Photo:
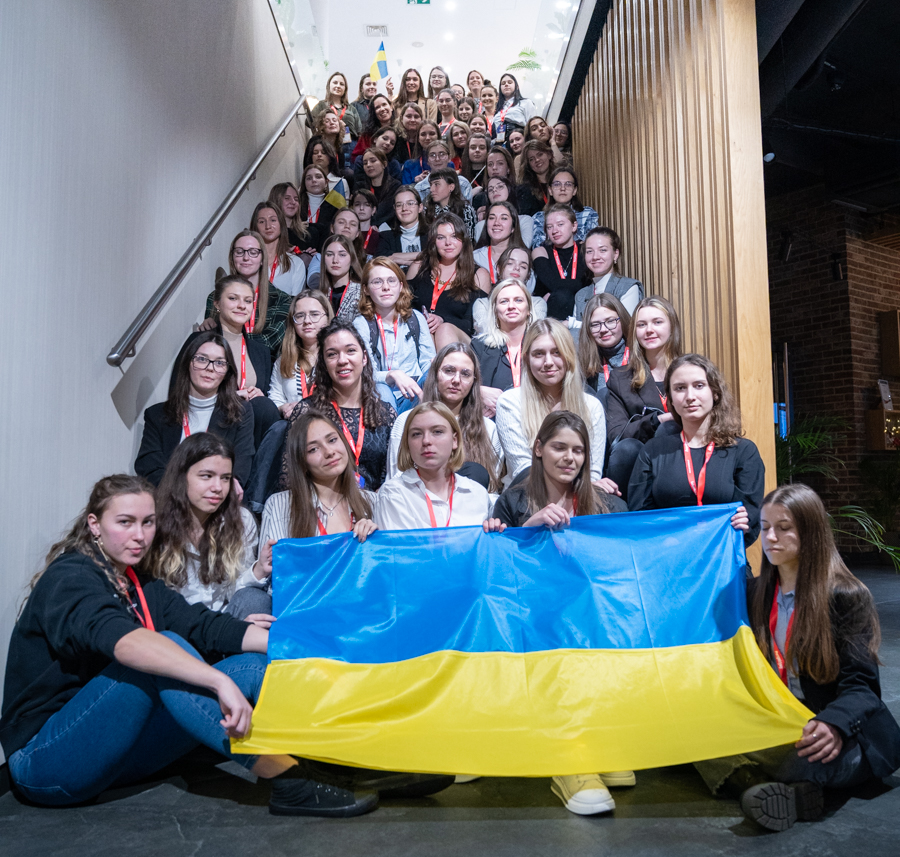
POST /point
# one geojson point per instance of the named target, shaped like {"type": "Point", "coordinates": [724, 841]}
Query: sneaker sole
{"type": "Point", "coordinates": [778, 806]}
{"type": "Point", "coordinates": [365, 803]}
{"type": "Point", "coordinates": [582, 807]}
{"type": "Point", "coordinates": [619, 780]}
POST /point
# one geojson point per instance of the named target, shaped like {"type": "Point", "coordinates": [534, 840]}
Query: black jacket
{"type": "Point", "coordinates": [68, 631]}
{"type": "Point", "coordinates": [494, 364]}
{"type": "Point", "coordinates": [852, 703]}
{"type": "Point", "coordinates": [623, 403]}
{"type": "Point", "coordinates": [161, 437]}
{"type": "Point", "coordinates": [257, 352]}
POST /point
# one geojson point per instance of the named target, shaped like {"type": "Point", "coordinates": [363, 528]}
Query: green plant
{"type": "Point", "coordinates": [809, 448]}
{"type": "Point", "coordinates": [867, 530]}
{"type": "Point", "coordinates": [528, 61]}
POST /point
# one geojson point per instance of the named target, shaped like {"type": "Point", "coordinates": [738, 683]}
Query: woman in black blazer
{"type": "Point", "coordinates": [202, 397]}
{"type": "Point", "coordinates": [636, 406]}
{"type": "Point", "coordinates": [818, 627]}
{"type": "Point", "coordinates": [233, 300]}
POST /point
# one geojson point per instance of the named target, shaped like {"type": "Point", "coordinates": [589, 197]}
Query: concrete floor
{"type": "Point", "coordinates": [200, 810]}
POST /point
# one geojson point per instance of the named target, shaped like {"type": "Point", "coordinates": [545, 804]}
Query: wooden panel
{"type": "Point", "coordinates": [668, 145]}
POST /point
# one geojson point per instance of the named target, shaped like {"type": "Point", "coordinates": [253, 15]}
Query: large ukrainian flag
{"type": "Point", "coordinates": [616, 644]}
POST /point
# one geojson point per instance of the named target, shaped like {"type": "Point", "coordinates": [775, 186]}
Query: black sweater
{"type": "Point", "coordinates": [68, 631]}
{"type": "Point", "coordinates": [512, 505]}
{"type": "Point", "coordinates": [560, 292]}
{"type": "Point", "coordinates": [735, 474]}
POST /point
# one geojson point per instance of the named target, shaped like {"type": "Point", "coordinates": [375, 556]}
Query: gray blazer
{"type": "Point", "coordinates": [616, 285]}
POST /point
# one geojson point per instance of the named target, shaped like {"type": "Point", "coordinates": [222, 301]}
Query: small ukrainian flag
{"type": "Point", "coordinates": [379, 67]}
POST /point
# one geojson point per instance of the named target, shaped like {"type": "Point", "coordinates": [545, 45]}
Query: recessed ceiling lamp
{"type": "Point", "coordinates": [418, 44]}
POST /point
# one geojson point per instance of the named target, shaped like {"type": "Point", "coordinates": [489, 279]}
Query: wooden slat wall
{"type": "Point", "coordinates": [668, 147]}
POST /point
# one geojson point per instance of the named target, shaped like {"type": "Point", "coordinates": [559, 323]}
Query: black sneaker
{"type": "Point", "coordinates": [776, 806]}
{"type": "Point", "coordinates": [294, 796]}
{"type": "Point", "coordinates": [389, 784]}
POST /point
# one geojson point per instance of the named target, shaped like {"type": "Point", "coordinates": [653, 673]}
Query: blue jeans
{"type": "Point", "coordinates": [124, 725]}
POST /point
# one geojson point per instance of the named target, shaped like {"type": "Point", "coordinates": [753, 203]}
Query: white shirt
{"type": "Point", "coordinates": [402, 504]}
{"type": "Point", "coordinates": [481, 260]}
{"type": "Point", "coordinates": [397, 434]}
{"type": "Point", "coordinates": [283, 390]}
{"type": "Point", "coordinates": [217, 595]}
{"type": "Point", "coordinates": [292, 281]}
{"type": "Point", "coordinates": [315, 202]}
{"type": "Point", "coordinates": [517, 448]}
{"type": "Point", "coordinates": [276, 516]}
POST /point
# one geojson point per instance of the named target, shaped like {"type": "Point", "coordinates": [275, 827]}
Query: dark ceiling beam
{"type": "Point", "coordinates": [806, 37]}
{"type": "Point", "coordinates": [772, 19]}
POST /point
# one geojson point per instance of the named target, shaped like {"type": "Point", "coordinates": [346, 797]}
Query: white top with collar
{"type": "Point", "coordinates": [402, 504]}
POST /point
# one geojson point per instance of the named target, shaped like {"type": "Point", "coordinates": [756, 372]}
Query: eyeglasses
{"type": "Point", "coordinates": [378, 283]}
{"type": "Point", "coordinates": [252, 252]}
{"type": "Point", "coordinates": [201, 362]}
{"type": "Point", "coordinates": [562, 185]}
{"type": "Point", "coordinates": [408, 204]}
{"type": "Point", "coordinates": [609, 324]}
{"type": "Point", "coordinates": [453, 371]}
{"type": "Point", "coordinates": [314, 316]}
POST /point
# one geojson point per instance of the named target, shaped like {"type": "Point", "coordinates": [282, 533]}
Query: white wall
{"type": "Point", "coordinates": [124, 126]}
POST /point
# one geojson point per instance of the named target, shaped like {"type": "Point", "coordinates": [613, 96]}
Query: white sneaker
{"type": "Point", "coordinates": [583, 794]}
{"type": "Point", "coordinates": [466, 778]}
{"type": "Point", "coordinates": [617, 779]}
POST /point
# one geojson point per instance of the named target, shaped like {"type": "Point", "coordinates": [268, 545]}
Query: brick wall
{"type": "Point", "coordinates": [831, 327]}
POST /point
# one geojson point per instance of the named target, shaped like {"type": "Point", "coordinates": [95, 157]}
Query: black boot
{"type": "Point", "coordinates": [776, 806]}
{"type": "Point", "coordinates": [389, 784]}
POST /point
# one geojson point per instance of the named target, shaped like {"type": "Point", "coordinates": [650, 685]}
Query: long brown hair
{"type": "Point", "coordinates": [725, 417]}
{"type": "Point", "coordinates": [586, 501]}
{"type": "Point", "coordinates": [282, 247]}
{"type": "Point", "coordinates": [296, 223]}
{"type": "Point", "coordinates": [262, 300]}
{"type": "Point", "coordinates": [375, 412]}
{"type": "Point", "coordinates": [832, 607]}
{"type": "Point", "coordinates": [589, 357]}
{"type": "Point", "coordinates": [403, 98]}
{"type": "Point", "coordinates": [292, 351]}
{"type": "Point", "coordinates": [403, 306]}
{"type": "Point", "coordinates": [637, 363]}
{"type": "Point", "coordinates": [304, 521]}
{"type": "Point", "coordinates": [456, 204]}
{"type": "Point", "coordinates": [221, 547]}
{"type": "Point", "coordinates": [476, 442]}
{"type": "Point", "coordinates": [227, 399]}
{"type": "Point", "coordinates": [529, 176]}
{"type": "Point", "coordinates": [326, 283]}
{"type": "Point", "coordinates": [80, 539]}
{"type": "Point", "coordinates": [464, 287]}
{"type": "Point", "coordinates": [515, 237]}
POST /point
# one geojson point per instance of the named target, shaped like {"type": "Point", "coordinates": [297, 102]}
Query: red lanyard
{"type": "Point", "coordinates": [186, 426]}
{"type": "Point", "coordinates": [318, 212]}
{"type": "Point", "coordinates": [431, 507]}
{"type": "Point", "coordinates": [503, 113]}
{"type": "Point", "coordinates": [304, 389]}
{"type": "Point", "coordinates": [625, 356]}
{"type": "Point", "coordinates": [491, 268]}
{"type": "Point", "coordinates": [358, 444]}
{"type": "Point", "coordinates": [664, 400]}
{"type": "Point", "coordinates": [444, 126]}
{"type": "Point", "coordinates": [564, 273]}
{"type": "Point", "coordinates": [243, 363]}
{"type": "Point", "coordinates": [339, 115]}
{"type": "Point", "coordinates": [515, 363]}
{"type": "Point", "coordinates": [773, 622]}
{"type": "Point", "coordinates": [698, 485]}
{"type": "Point", "coordinates": [390, 362]}
{"type": "Point", "coordinates": [272, 273]}
{"type": "Point", "coordinates": [368, 237]}
{"type": "Point", "coordinates": [146, 619]}
{"type": "Point", "coordinates": [438, 289]}
{"type": "Point", "coordinates": [252, 323]}
{"type": "Point", "coordinates": [324, 532]}
{"type": "Point", "coordinates": [343, 296]}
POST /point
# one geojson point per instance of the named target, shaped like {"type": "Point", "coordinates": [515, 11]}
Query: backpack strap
{"type": "Point", "coordinates": [414, 331]}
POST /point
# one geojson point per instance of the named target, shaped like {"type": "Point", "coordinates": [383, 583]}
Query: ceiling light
{"type": "Point", "coordinates": [450, 7]}
{"type": "Point", "coordinates": [418, 44]}
{"type": "Point", "coordinates": [448, 37]}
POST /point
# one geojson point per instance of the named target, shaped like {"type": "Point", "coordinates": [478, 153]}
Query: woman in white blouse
{"type": "Point", "coordinates": [323, 496]}
{"type": "Point", "coordinates": [293, 375]}
{"type": "Point", "coordinates": [429, 493]}
{"type": "Point", "coordinates": [551, 381]}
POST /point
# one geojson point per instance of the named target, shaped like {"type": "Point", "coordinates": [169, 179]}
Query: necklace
{"type": "Point", "coordinates": [326, 510]}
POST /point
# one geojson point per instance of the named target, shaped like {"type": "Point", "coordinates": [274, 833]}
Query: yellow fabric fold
{"type": "Point", "coordinates": [538, 714]}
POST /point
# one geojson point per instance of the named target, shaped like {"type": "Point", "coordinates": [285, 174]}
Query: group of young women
{"type": "Point", "coordinates": [363, 366]}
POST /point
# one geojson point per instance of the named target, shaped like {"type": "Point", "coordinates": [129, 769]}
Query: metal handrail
{"type": "Point", "coordinates": [125, 347]}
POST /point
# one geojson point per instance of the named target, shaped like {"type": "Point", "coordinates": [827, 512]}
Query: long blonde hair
{"type": "Point", "coordinates": [535, 405]}
{"type": "Point", "coordinates": [292, 351]}
{"type": "Point", "coordinates": [638, 362]}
